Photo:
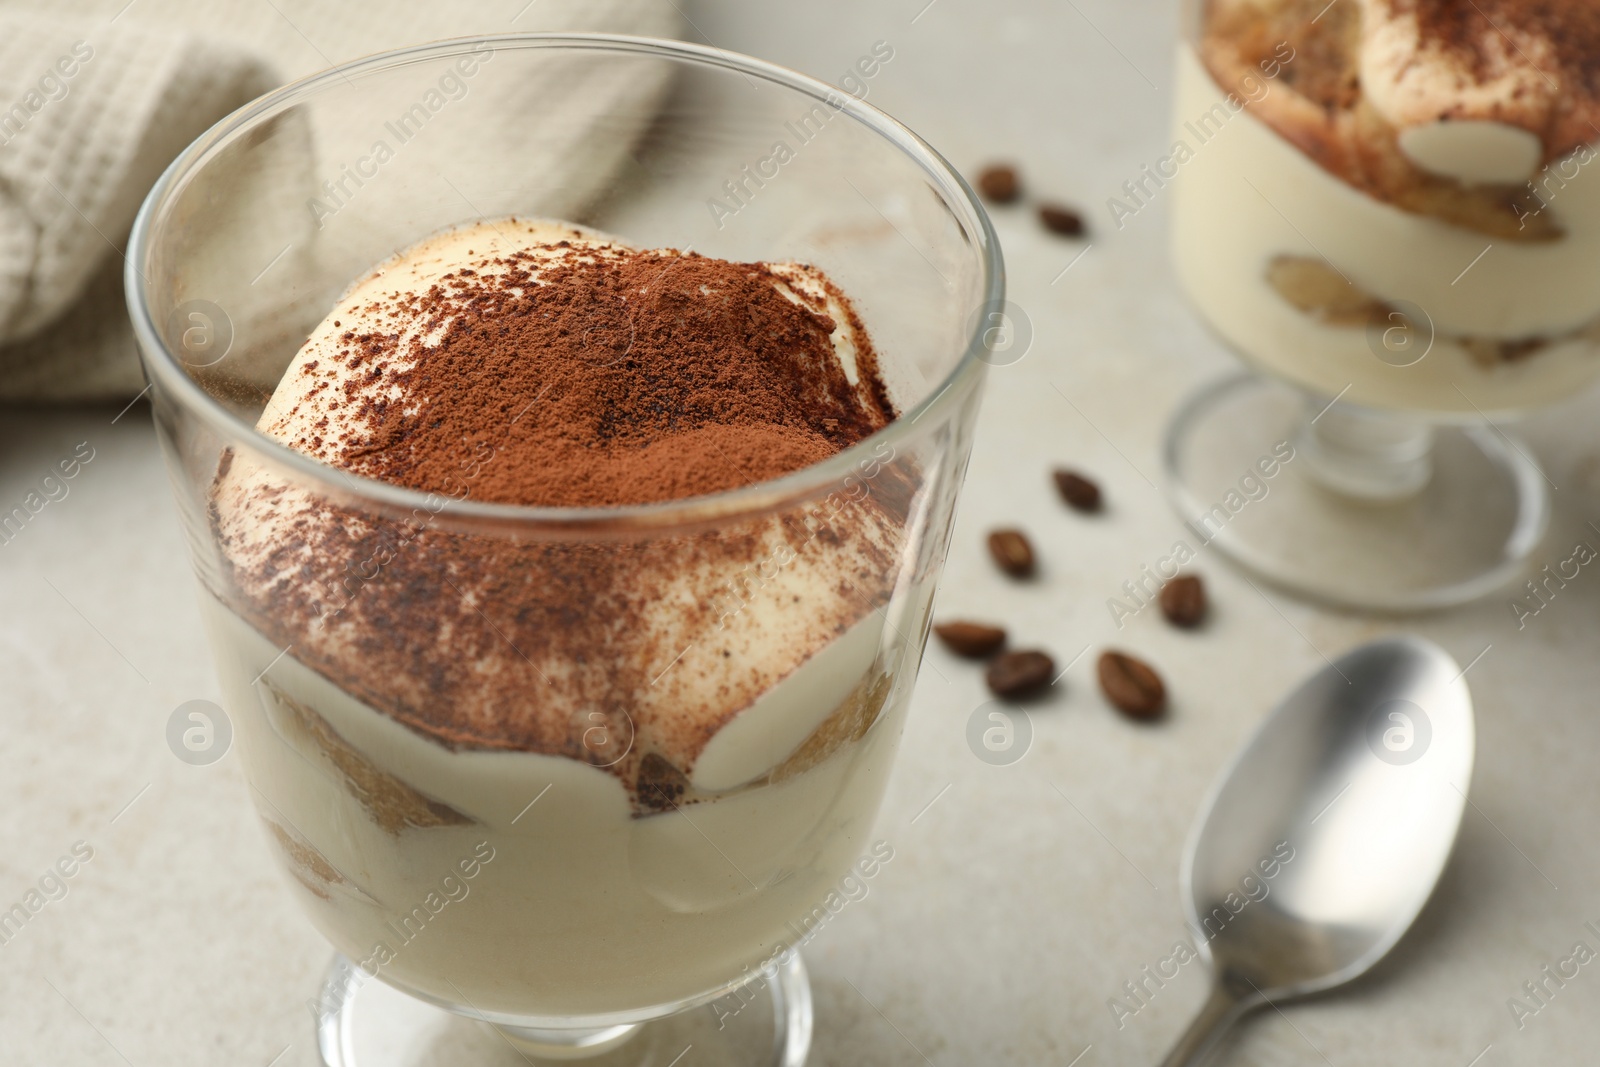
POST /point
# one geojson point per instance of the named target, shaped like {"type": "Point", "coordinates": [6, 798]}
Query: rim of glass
{"type": "Point", "coordinates": [165, 369]}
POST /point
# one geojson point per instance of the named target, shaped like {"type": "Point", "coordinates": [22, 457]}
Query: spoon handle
{"type": "Point", "coordinates": [1220, 1011]}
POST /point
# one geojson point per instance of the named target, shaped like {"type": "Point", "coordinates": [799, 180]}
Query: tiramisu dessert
{"type": "Point", "coordinates": [566, 771]}
{"type": "Point", "coordinates": [1395, 196]}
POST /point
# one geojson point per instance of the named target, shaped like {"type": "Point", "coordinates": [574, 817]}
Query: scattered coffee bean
{"type": "Point", "coordinates": [1183, 601]}
{"type": "Point", "coordinates": [1019, 674]}
{"type": "Point", "coordinates": [1012, 553]}
{"type": "Point", "coordinates": [1062, 220]}
{"type": "Point", "coordinates": [1079, 492]}
{"type": "Point", "coordinates": [999, 184]}
{"type": "Point", "coordinates": [1132, 686]}
{"type": "Point", "coordinates": [974, 640]}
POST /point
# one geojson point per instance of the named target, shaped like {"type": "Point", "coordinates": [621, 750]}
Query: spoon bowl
{"type": "Point", "coordinates": [1321, 842]}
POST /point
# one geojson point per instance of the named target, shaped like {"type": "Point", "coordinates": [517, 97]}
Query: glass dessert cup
{"type": "Point", "coordinates": [1385, 344]}
{"type": "Point", "coordinates": [642, 885]}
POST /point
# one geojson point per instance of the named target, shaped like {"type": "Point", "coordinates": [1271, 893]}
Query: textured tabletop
{"type": "Point", "coordinates": [1020, 898]}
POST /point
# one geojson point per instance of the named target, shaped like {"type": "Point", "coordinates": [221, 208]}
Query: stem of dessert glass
{"type": "Point", "coordinates": [1370, 455]}
{"type": "Point", "coordinates": [566, 1044]}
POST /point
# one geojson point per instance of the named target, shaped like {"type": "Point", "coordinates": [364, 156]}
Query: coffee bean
{"type": "Point", "coordinates": [974, 640]}
{"type": "Point", "coordinates": [1019, 674]}
{"type": "Point", "coordinates": [1132, 686]}
{"type": "Point", "coordinates": [1183, 601]}
{"type": "Point", "coordinates": [1012, 553]}
{"type": "Point", "coordinates": [999, 183]}
{"type": "Point", "coordinates": [1078, 491]}
{"type": "Point", "coordinates": [1062, 220]}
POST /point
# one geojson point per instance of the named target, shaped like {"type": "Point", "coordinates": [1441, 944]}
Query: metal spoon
{"type": "Point", "coordinates": [1319, 845]}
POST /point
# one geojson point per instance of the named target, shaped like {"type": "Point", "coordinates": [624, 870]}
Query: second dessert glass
{"type": "Point", "coordinates": [519, 889]}
{"type": "Point", "coordinates": [1404, 323]}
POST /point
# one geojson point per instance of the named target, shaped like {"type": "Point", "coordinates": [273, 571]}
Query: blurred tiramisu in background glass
{"type": "Point", "coordinates": [1395, 213]}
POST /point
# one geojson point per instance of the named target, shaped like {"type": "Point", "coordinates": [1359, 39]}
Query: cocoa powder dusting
{"type": "Point", "coordinates": [1571, 28]}
{"type": "Point", "coordinates": [623, 378]}
{"type": "Point", "coordinates": [590, 375]}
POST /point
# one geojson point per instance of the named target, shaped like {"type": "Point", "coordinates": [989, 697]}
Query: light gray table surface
{"type": "Point", "coordinates": [1020, 898]}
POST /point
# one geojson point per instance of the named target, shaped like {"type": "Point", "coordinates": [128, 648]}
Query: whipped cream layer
{"type": "Point", "coordinates": [581, 909]}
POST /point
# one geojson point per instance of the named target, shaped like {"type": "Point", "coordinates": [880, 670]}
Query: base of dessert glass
{"type": "Point", "coordinates": [1369, 510]}
{"type": "Point", "coordinates": [363, 1022]}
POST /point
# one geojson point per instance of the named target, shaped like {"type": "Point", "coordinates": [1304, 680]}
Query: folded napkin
{"type": "Point", "coordinates": [96, 98]}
